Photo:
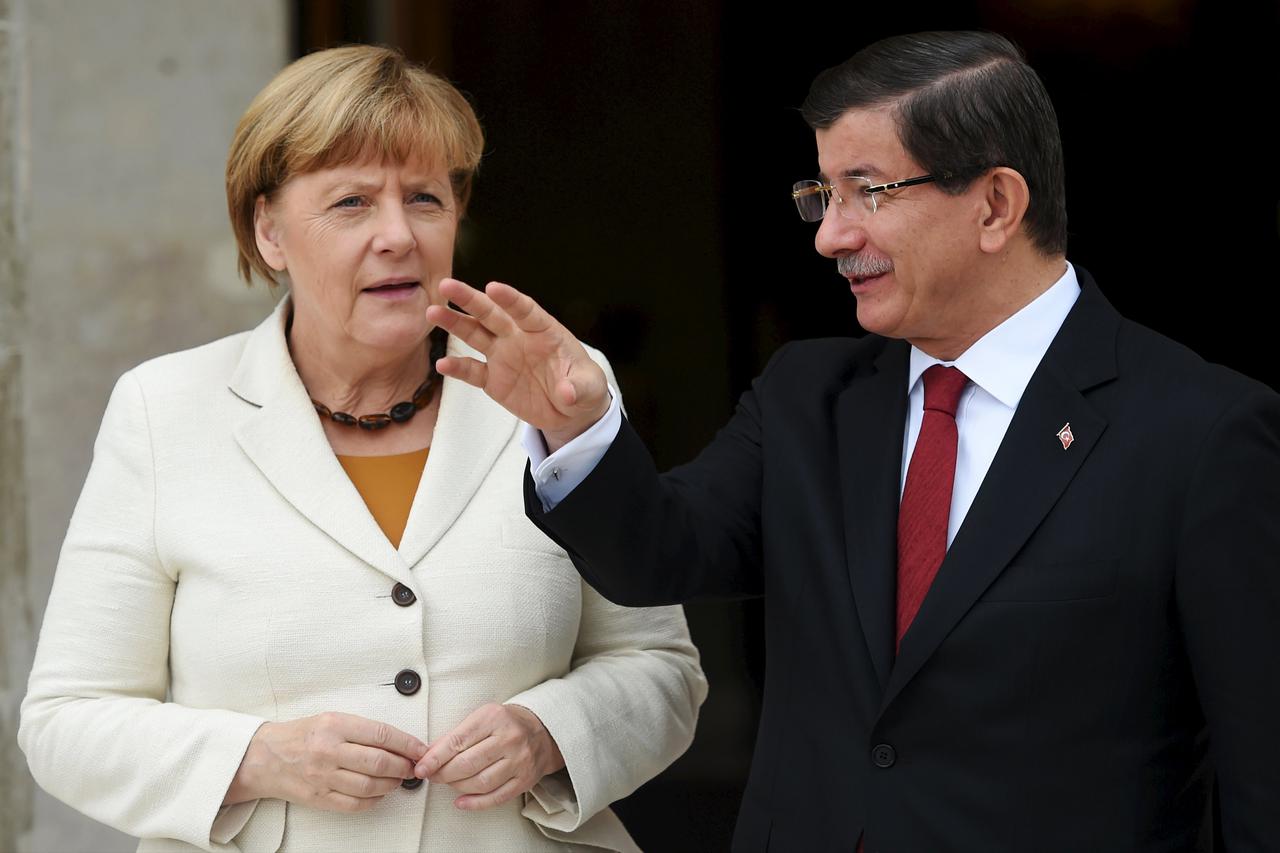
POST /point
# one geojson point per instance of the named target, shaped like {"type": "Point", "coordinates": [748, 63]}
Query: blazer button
{"type": "Point", "coordinates": [884, 755]}
{"type": "Point", "coordinates": [402, 595]}
{"type": "Point", "coordinates": [407, 682]}
{"type": "Point", "coordinates": [411, 784]}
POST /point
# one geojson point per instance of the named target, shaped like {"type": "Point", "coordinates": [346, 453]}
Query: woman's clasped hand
{"type": "Point", "coordinates": [495, 754]}
{"type": "Point", "coordinates": [333, 761]}
{"type": "Point", "coordinates": [346, 763]}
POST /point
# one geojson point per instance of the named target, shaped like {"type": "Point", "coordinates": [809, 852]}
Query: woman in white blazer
{"type": "Point", "coordinates": [272, 628]}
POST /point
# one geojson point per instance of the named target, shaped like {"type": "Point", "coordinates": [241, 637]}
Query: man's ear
{"type": "Point", "coordinates": [1005, 201]}
{"type": "Point", "coordinates": [266, 232]}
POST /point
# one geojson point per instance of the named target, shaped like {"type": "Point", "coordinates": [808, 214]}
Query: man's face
{"type": "Point", "coordinates": [911, 264]}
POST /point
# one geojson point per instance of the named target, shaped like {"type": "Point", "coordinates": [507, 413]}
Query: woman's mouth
{"type": "Point", "coordinates": [393, 290]}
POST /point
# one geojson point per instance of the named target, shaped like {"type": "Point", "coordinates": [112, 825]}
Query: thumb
{"type": "Point", "coordinates": [567, 394]}
{"type": "Point", "coordinates": [583, 390]}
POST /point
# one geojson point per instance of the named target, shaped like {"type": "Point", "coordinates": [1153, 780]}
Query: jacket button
{"type": "Point", "coordinates": [402, 595]}
{"type": "Point", "coordinates": [884, 755]}
{"type": "Point", "coordinates": [411, 784]}
{"type": "Point", "coordinates": [407, 682]}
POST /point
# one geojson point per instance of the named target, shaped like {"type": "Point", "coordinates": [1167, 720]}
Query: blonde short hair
{"type": "Point", "coordinates": [340, 106]}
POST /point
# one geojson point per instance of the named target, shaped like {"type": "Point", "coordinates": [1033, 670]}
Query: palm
{"type": "Point", "coordinates": [533, 366]}
{"type": "Point", "coordinates": [523, 372]}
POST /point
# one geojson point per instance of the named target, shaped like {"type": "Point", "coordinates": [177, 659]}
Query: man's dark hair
{"type": "Point", "coordinates": [964, 102]}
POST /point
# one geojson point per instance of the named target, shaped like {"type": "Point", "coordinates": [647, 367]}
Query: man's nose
{"type": "Point", "coordinates": [394, 234]}
{"type": "Point", "coordinates": [838, 236]}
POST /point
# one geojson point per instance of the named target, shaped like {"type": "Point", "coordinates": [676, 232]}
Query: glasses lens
{"type": "Point", "coordinates": [811, 199]}
{"type": "Point", "coordinates": [857, 202]}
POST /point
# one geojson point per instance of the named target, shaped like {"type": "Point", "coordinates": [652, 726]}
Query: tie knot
{"type": "Point", "coordinates": [942, 389]}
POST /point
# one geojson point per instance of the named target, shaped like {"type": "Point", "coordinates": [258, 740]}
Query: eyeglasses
{"type": "Point", "coordinates": [855, 196]}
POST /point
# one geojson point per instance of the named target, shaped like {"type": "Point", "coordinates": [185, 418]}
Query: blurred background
{"type": "Point", "coordinates": [636, 179]}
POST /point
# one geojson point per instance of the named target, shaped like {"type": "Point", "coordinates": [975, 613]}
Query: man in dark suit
{"type": "Point", "coordinates": [1019, 554]}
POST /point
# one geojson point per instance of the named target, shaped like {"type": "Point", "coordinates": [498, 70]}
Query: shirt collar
{"type": "Point", "coordinates": [1001, 361]}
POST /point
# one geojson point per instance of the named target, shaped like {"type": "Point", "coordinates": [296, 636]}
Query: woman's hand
{"type": "Point", "coordinates": [338, 762]}
{"type": "Point", "coordinates": [497, 752]}
{"type": "Point", "coordinates": [534, 367]}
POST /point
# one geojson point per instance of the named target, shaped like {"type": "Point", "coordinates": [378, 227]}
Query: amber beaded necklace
{"type": "Point", "coordinates": [403, 411]}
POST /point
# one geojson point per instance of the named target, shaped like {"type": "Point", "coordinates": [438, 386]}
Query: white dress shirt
{"type": "Point", "coordinates": [557, 475]}
{"type": "Point", "coordinates": [999, 366]}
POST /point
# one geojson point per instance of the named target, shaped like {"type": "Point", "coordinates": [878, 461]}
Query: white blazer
{"type": "Point", "coordinates": [221, 570]}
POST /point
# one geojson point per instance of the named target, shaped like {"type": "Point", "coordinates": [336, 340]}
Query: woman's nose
{"type": "Point", "coordinates": [394, 234]}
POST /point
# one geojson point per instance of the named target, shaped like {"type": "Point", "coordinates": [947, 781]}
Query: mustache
{"type": "Point", "coordinates": [862, 266]}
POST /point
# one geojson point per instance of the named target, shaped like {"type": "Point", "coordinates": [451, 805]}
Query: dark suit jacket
{"type": "Point", "coordinates": [1099, 647]}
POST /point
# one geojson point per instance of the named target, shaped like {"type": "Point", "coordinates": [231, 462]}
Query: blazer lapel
{"type": "Point", "coordinates": [471, 432]}
{"type": "Point", "coordinates": [284, 439]}
{"type": "Point", "coordinates": [869, 418]}
{"type": "Point", "coordinates": [1028, 475]}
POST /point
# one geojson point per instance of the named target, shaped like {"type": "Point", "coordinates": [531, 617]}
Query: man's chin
{"type": "Point", "coordinates": [874, 319]}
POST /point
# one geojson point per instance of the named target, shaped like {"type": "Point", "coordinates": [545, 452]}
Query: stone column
{"type": "Point", "coordinates": [15, 606]}
{"type": "Point", "coordinates": [126, 254]}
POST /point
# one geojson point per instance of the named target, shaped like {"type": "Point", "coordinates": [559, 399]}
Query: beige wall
{"type": "Point", "coordinates": [130, 108]}
{"type": "Point", "coordinates": [15, 608]}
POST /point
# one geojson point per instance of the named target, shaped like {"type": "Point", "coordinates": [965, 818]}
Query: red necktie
{"type": "Point", "coordinates": [926, 498]}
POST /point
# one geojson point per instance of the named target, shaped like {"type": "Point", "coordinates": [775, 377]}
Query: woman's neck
{"type": "Point", "coordinates": [348, 376]}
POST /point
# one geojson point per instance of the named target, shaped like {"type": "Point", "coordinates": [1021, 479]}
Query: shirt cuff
{"type": "Point", "coordinates": [555, 476]}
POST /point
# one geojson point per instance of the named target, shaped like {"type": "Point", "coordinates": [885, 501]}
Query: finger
{"type": "Point", "coordinates": [478, 802]}
{"type": "Point", "coordinates": [361, 786]}
{"type": "Point", "coordinates": [478, 305]}
{"type": "Point", "coordinates": [372, 761]}
{"type": "Point", "coordinates": [469, 762]}
{"type": "Point", "coordinates": [520, 307]}
{"type": "Point", "coordinates": [457, 323]}
{"type": "Point", "coordinates": [383, 736]}
{"type": "Point", "coordinates": [489, 779]}
{"type": "Point", "coordinates": [336, 802]}
{"type": "Point", "coordinates": [467, 734]}
{"type": "Point", "coordinates": [456, 291]}
{"type": "Point", "coordinates": [469, 370]}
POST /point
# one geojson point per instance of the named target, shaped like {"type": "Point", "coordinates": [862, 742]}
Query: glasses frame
{"type": "Point", "coordinates": [829, 190]}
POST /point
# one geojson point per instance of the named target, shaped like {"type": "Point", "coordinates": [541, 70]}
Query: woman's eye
{"type": "Point", "coordinates": [350, 201]}
{"type": "Point", "coordinates": [425, 198]}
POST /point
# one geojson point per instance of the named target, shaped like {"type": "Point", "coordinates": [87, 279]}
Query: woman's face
{"type": "Point", "coordinates": [365, 246]}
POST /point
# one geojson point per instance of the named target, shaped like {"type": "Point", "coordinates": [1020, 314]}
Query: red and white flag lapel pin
{"type": "Point", "coordinates": [1065, 436]}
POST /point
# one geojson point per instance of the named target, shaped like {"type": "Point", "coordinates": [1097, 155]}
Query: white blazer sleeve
{"type": "Point", "coordinates": [626, 709]}
{"type": "Point", "coordinates": [96, 728]}
{"type": "Point", "coordinates": [621, 715]}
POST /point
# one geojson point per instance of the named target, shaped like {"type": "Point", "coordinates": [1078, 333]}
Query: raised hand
{"type": "Point", "coordinates": [534, 367]}
{"type": "Point", "coordinates": [497, 752]}
{"type": "Point", "coordinates": [338, 762]}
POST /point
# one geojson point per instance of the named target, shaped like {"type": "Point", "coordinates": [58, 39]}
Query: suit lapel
{"type": "Point", "coordinates": [1028, 475]}
{"type": "Point", "coordinates": [284, 439]}
{"type": "Point", "coordinates": [471, 432]}
{"type": "Point", "coordinates": [869, 418]}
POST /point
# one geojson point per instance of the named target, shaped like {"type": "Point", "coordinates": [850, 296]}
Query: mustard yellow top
{"type": "Point", "coordinates": [387, 484]}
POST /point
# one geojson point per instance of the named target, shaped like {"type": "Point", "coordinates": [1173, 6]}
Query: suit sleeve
{"type": "Point", "coordinates": [1228, 595]}
{"type": "Point", "coordinates": [96, 729]}
{"type": "Point", "coordinates": [643, 539]}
